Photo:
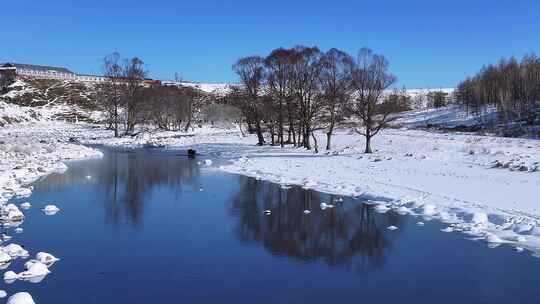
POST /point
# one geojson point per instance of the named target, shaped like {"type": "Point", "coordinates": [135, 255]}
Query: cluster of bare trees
{"type": "Point", "coordinates": [291, 93]}
{"type": "Point", "coordinates": [512, 87]}
{"type": "Point", "coordinates": [129, 102]}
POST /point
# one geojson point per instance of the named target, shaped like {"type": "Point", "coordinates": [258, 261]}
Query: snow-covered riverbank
{"type": "Point", "coordinates": [29, 151]}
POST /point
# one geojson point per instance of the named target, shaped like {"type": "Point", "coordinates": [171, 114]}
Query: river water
{"type": "Point", "coordinates": [153, 226]}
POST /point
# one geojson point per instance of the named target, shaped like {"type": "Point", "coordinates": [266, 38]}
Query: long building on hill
{"type": "Point", "coordinates": [47, 72]}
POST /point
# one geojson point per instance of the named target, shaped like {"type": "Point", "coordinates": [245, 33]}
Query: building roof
{"type": "Point", "coordinates": [36, 67]}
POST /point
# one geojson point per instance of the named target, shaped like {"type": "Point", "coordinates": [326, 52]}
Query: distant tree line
{"type": "Point", "coordinates": [128, 102]}
{"type": "Point", "coordinates": [510, 86]}
{"type": "Point", "coordinates": [291, 93]}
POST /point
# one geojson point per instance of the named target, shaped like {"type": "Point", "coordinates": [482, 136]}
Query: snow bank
{"type": "Point", "coordinates": [29, 151]}
{"type": "Point", "coordinates": [11, 114]}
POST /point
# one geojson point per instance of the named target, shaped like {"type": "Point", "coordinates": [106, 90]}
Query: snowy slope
{"type": "Point", "coordinates": [449, 116]}
{"type": "Point", "coordinates": [10, 114]}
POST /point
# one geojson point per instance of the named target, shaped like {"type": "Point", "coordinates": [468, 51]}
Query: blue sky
{"type": "Point", "coordinates": [428, 43]}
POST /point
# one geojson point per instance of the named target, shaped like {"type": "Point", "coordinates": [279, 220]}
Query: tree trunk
{"type": "Point", "coordinates": [259, 133]}
{"type": "Point", "coordinates": [280, 138]}
{"type": "Point", "coordinates": [188, 124]}
{"type": "Point", "coordinates": [368, 142]}
{"type": "Point", "coordinates": [315, 144]}
{"type": "Point", "coordinates": [328, 140]}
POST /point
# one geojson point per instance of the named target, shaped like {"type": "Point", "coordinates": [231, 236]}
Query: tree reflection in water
{"type": "Point", "coordinates": [350, 234]}
{"type": "Point", "coordinates": [125, 179]}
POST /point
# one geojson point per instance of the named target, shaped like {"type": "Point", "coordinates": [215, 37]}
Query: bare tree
{"type": "Point", "coordinates": [307, 67]}
{"type": "Point", "coordinates": [189, 96]}
{"type": "Point", "coordinates": [278, 65]}
{"type": "Point", "coordinates": [336, 83]}
{"type": "Point", "coordinates": [134, 74]}
{"type": "Point", "coordinates": [251, 72]}
{"type": "Point", "coordinates": [113, 70]}
{"type": "Point", "coordinates": [370, 78]}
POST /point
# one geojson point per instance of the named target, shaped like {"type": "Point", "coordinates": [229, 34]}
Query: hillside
{"type": "Point", "coordinates": [54, 99]}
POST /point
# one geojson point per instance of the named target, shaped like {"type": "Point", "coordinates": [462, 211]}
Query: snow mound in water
{"type": "Point", "coordinates": [3, 294]}
{"type": "Point", "coordinates": [21, 298]}
{"type": "Point", "coordinates": [208, 162]}
{"type": "Point", "coordinates": [381, 208]}
{"type": "Point", "coordinates": [391, 228]}
{"type": "Point", "coordinates": [26, 205]}
{"type": "Point", "coordinates": [46, 258]}
{"type": "Point", "coordinates": [13, 213]}
{"type": "Point", "coordinates": [15, 251]}
{"type": "Point", "coordinates": [4, 258]}
{"type": "Point", "coordinates": [36, 269]}
{"type": "Point", "coordinates": [10, 276]}
{"type": "Point", "coordinates": [50, 209]}
{"type": "Point", "coordinates": [325, 205]}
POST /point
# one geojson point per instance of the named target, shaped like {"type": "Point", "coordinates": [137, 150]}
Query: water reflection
{"type": "Point", "coordinates": [350, 234]}
{"type": "Point", "coordinates": [125, 180]}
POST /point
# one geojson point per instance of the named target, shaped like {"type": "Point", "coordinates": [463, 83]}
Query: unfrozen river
{"type": "Point", "coordinates": [149, 226]}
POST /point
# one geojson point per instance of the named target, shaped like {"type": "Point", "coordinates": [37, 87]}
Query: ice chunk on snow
{"type": "Point", "coordinates": [46, 258]}
{"type": "Point", "coordinates": [535, 231]}
{"type": "Point", "coordinates": [208, 162]}
{"type": "Point", "coordinates": [392, 228]}
{"type": "Point", "coordinates": [428, 209]}
{"type": "Point", "coordinates": [50, 209]}
{"type": "Point", "coordinates": [479, 218]}
{"type": "Point", "coordinates": [492, 238]}
{"type": "Point", "coordinates": [21, 298]}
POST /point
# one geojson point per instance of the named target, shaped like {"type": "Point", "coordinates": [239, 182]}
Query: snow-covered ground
{"type": "Point", "coordinates": [449, 117]}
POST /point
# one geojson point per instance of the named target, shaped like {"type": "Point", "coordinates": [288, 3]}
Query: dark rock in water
{"type": "Point", "coordinates": [191, 152]}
